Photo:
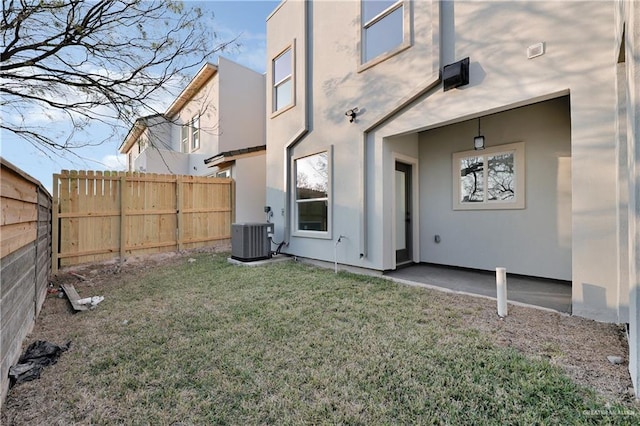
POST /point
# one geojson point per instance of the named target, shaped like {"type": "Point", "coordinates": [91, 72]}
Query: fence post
{"type": "Point", "coordinates": [179, 208]}
{"type": "Point", "coordinates": [123, 205]}
{"type": "Point", "coordinates": [232, 200]}
{"type": "Point", "coordinates": [36, 268]}
{"type": "Point", "coordinates": [55, 226]}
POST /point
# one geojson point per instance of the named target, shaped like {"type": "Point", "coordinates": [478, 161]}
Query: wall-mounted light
{"type": "Point", "coordinates": [478, 141]}
{"type": "Point", "coordinates": [352, 113]}
{"type": "Point", "coordinates": [455, 75]}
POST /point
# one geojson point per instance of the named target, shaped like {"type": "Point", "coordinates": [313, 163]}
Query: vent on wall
{"type": "Point", "coordinates": [251, 241]}
{"type": "Point", "coordinates": [535, 50]}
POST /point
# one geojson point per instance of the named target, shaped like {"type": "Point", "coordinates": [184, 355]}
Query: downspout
{"type": "Point", "coordinates": [429, 84]}
{"type": "Point", "coordinates": [300, 134]}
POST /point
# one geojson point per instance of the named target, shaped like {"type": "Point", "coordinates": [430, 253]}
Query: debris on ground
{"type": "Point", "coordinates": [613, 359]}
{"type": "Point", "coordinates": [78, 303]}
{"type": "Point", "coordinates": [191, 260]}
{"type": "Point", "coordinates": [38, 355]}
{"type": "Point", "coordinates": [91, 301]}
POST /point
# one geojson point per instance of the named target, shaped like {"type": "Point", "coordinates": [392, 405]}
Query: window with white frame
{"type": "Point", "coordinates": [283, 80]}
{"type": "Point", "coordinates": [142, 144]}
{"type": "Point", "coordinates": [493, 178]}
{"type": "Point", "coordinates": [226, 173]}
{"type": "Point", "coordinates": [385, 28]}
{"type": "Point", "coordinates": [195, 133]}
{"type": "Point", "coordinates": [184, 138]}
{"type": "Point", "coordinates": [312, 192]}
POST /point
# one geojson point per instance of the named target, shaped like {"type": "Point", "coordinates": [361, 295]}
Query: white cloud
{"type": "Point", "coordinates": [117, 162]}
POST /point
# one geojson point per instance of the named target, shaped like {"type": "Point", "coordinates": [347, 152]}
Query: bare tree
{"type": "Point", "coordinates": [79, 61]}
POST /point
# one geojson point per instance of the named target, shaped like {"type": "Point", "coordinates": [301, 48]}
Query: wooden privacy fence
{"type": "Point", "coordinates": [25, 261]}
{"type": "Point", "coordinates": [100, 216]}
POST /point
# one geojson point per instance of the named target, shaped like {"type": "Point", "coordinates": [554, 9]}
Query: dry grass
{"type": "Point", "coordinates": [205, 342]}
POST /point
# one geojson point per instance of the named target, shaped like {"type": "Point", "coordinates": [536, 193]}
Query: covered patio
{"type": "Point", "coordinates": [540, 292]}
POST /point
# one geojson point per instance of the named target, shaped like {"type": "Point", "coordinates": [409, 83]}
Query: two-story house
{"type": "Point", "coordinates": [468, 134]}
{"type": "Point", "coordinates": [214, 127]}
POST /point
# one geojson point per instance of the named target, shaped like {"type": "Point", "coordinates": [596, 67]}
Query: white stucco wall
{"type": "Point", "coordinates": [162, 161]}
{"type": "Point", "coordinates": [157, 133]}
{"type": "Point", "coordinates": [204, 103]}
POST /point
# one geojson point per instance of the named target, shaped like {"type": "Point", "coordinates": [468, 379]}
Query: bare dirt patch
{"type": "Point", "coordinates": [578, 345]}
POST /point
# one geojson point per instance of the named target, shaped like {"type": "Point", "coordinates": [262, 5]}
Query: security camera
{"type": "Point", "coordinates": [352, 113]}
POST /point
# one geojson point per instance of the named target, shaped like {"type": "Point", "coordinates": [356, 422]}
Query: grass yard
{"type": "Point", "coordinates": [206, 342]}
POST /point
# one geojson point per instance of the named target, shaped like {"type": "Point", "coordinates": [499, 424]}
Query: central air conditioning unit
{"type": "Point", "coordinates": [251, 241]}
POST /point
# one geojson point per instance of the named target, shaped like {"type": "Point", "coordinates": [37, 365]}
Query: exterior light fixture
{"type": "Point", "coordinates": [455, 75]}
{"type": "Point", "coordinates": [352, 113]}
{"type": "Point", "coordinates": [478, 141]}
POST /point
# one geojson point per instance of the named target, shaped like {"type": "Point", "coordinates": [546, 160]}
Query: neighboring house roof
{"type": "Point", "coordinates": [207, 71]}
{"type": "Point", "coordinates": [136, 130]}
{"type": "Point", "coordinates": [225, 158]}
{"type": "Point", "coordinates": [201, 78]}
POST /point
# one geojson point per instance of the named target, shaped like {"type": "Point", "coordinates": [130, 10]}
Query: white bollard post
{"type": "Point", "coordinates": [501, 286]}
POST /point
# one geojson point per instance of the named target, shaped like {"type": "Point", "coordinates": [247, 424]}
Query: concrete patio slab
{"type": "Point", "coordinates": [545, 293]}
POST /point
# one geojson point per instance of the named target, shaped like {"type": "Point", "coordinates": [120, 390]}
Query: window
{"type": "Point", "coordinates": [385, 28]}
{"type": "Point", "coordinates": [130, 158]}
{"type": "Point", "coordinates": [489, 179]}
{"type": "Point", "coordinates": [312, 192]}
{"type": "Point", "coordinates": [282, 80]}
{"type": "Point", "coordinates": [184, 138]}
{"type": "Point", "coordinates": [224, 173]}
{"type": "Point", "coordinates": [195, 133]}
{"type": "Point", "coordinates": [143, 143]}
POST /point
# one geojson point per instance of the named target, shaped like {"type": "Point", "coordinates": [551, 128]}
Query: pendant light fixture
{"type": "Point", "coordinates": [478, 141]}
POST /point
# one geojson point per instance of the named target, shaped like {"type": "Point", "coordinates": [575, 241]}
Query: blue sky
{"type": "Point", "coordinates": [240, 18]}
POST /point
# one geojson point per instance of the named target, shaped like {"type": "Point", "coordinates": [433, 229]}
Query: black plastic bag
{"type": "Point", "coordinates": [38, 355]}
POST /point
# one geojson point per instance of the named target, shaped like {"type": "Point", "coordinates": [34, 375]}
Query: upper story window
{"type": "Point", "coordinates": [385, 28]}
{"type": "Point", "coordinates": [184, 138]}
{"type": "Point", "coordinates": [283, 80]}
{"type": "Point", "coordinates": [190, 135]}
{"type": "Point", "coordinates": [142, 144]}
{"type": "Point", "coordinates": [195, 133]}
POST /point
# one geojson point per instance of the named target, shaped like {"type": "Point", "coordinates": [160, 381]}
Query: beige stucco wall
{"type": "Point", "coordinates": [286, 28]}
{"type": "Point", "coordinates": [242, 106]}
{"type": "Point", "coordinates": [628, 17]}
{"type": "Point", "coordinates": [249, 175]}
{"type": "Point", "coordinates": [495, 35]}
{"type": "Point", "coordinates": [502, 78]}
{"type": "Point", "coordinates": [327, 50]}
{"type": "Point", "coordinates": [533, 241]}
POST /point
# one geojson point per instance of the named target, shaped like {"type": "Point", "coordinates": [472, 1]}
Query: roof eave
{"type": "Point", "coordinates": [201, 78]}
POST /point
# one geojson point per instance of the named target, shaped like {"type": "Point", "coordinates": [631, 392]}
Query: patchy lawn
{"type": "Point", "coordinates": [205, 342]}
